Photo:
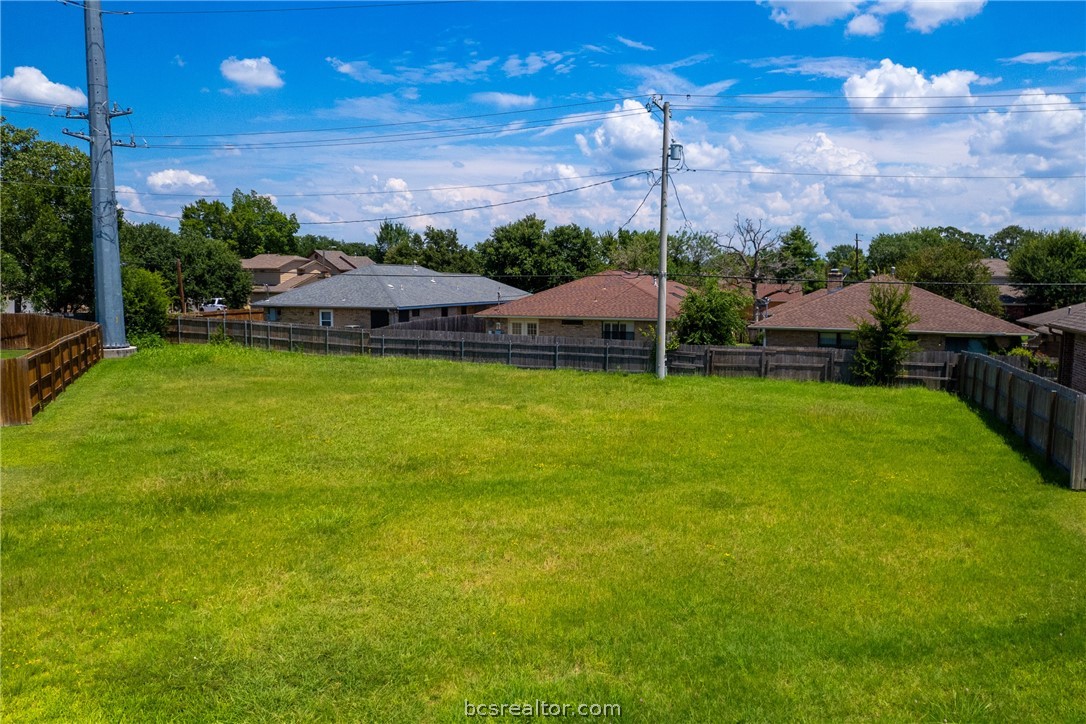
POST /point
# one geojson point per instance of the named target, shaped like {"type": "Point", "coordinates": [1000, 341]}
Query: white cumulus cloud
{"type": "Point", "coordinates": [251, 75]}
{"type": "Point", "coordinates": [27, 83]}
{"type": "Point", "coordinates": [895, 86]}
{"type": "Point", "coordinates": [865, 26]}
{"type": "Point", "coordinates": [806, 14]}
{"type": "Point", "coordinates": [173, 179]}
{"type": "Point", "coordinates": [926, 15]}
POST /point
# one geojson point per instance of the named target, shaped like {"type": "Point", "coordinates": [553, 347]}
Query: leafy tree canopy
{"type": "Point", "coordinates": [1048, 259]}
{"type": "Point", "coordinates": [954, 271]}
{"type": "Point", "coordinates": [890, 250]}
{"type": "Point", "coordinates": [527, 256]}
{"type": "Point", "coordinates": [251, 225]}
{"type": "Point", "coordinates": [45, 221]}
{"type": "Point", "coordinates": [711, 315]}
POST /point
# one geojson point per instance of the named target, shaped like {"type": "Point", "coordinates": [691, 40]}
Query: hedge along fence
{"type": "Point", "coordinates": [1050, 417]}
{"type": "Point", "coordinates": [63, 350]}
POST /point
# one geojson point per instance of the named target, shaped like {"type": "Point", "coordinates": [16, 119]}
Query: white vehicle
{"type": "Point", "coordinates": [215, 305]}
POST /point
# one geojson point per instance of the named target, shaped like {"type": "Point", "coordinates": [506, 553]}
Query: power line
{"type": "Point", "coordinates": [652, 186]}
{"type": "Point", "coordinates": [383, 192]}
{"type": "Point", "coordinates": [431, 121]}
{"type": "Point", "coordinates": [885, 176]}
{"type": "Point", "coordinates": [820, 96]}
{"type": "Point", "coordinates": [406, 137]}
{"type": "Point", "coordinates": [479, 207]}
{"type": "Point", "coordinates": [313, 8]}
{"type": "Point", "coordinates": [863, 111]}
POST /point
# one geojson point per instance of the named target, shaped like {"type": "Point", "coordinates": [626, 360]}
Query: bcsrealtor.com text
{"type": "Point", "coordinates": [539, 708]}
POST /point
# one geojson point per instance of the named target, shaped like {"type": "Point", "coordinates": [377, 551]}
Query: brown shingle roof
{"type": "Point", "coordinates": [836, 311]}
{"type": "Point", "coordinates": [1036, 321]}
{"type": "Point", "coordinates": [341, 261]}
{"type": "Point", "coordinates": [607, 295]}
{"type": "Point", "coordinates": [1073, 322]}
{"type": "Point", "coordinates": [278, 262]}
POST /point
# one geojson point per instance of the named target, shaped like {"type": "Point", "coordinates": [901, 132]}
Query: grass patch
{"type": "Point", "coordinates": [12, 353]}
{"type": "Point", "coordinates": [213, 533]}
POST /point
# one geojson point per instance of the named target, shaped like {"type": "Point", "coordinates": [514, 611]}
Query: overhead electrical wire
{"type": "Point", "coordinates": [314, 8]}
{"type": "Point", "coordinates": [443, 212]}
{"type": "Point", "coordinates": [381, 192]}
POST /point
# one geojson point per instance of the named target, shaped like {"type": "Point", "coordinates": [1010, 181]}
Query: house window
{"type": "Point", "coordinates": [524, 326]}
{"type": "Point", "coordinates": [414, 312]}
{"type": "Point", "coordinates": [618, 330]}
{"type": "Point", "coordinates": [444, 311]}
{"type": "Point", "coordinates": [839, 340]}
{"type": "Point", "coordinates": [572, 322]}
{"type": "Point", "coordinates": [326, 317]}
{"type": "Point", "coordinates": [271, 314]}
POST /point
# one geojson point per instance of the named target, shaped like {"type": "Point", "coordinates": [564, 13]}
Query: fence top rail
{"type": "Point", "coordinates": [40, 351]}
{"type": "Point", "coordinates": [1045, 384]}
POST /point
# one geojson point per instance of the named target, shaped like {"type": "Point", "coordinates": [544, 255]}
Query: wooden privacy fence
{"type": "Point", "coordinates": [63, 349]}
{"type": "Point", "coordinates": [1050, 417]}
{"type": "Point", "coordinates": [934, 369]}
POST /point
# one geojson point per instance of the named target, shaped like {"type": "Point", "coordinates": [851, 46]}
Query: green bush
{"type": "Point", "coordinates": [712, 316]}
{"type": "Point", "coordinates": [145, 302]}
{"type": "Point", "coordinates": [883, 346]}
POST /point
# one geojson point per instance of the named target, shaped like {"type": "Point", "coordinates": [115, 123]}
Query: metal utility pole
{"type": "Point", "coordinates": [108, 302]}
{"type": "Point", "coordinates": [661, 299]}
{"type": "Point", "coordinates": [856, 256]}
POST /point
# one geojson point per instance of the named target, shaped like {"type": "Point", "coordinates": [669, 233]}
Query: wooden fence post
{"type": "Point", "coordinates": [327, 333]}
{"type": "Point", "coordinates": [1050, 430]}
{"type": "Point", "coordinates": [461, 349]}
{"type": "Point", "coordinates": [555, 355]}
{"type": "Point", "coordinates": [1027, 424]}
{"type": "Point", "coordinates": [209, 329]}
{"type": "Point", "coordinates": [763, 364]}
{"type": "Point", "coordinates": [290, 337]}
{"type": "Point", "coordinates": [1078, 445]}
{"type": "Point", "coordinates": [606, 357]}
{"type": "Point", "coordinates": [510, 353]}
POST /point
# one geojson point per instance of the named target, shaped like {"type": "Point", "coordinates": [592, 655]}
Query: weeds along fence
{"type": "Point", "coordinates": [933, 369]}
{"type": "Point", "coordinates": [1050, 417]}
{"type": "Point", "coordinates": [63, 349]}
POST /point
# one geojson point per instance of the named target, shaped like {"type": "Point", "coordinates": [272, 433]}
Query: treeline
{"type": "Point", "coordinates": [45, 222]}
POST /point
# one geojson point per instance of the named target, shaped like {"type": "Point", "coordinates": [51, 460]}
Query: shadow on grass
{"type": "Point", "coordinates": [1051, 473]}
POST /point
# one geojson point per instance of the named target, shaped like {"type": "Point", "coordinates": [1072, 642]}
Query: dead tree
{"type": "Point", "coordinates": [750, 253]}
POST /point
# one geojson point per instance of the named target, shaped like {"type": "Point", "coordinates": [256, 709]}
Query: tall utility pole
{"type": "Point", "coordinates": [661, 299]}
{"type": "Point", "coordinates": [856, 256]}
{"type": "Point", "coordinates": [108, 302]}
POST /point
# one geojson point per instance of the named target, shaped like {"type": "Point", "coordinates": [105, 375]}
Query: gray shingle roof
{"type": "Point", "coordinates": [393, 286]}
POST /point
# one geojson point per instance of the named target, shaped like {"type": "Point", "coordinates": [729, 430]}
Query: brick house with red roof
{"type": "Point", "coordinates": [608, 305]}
{"type": "Point", "coordinates": [826, 318]}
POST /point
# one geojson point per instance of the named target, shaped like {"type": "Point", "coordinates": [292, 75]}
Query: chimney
{"type": "Point", "coordinates": [835, 280]}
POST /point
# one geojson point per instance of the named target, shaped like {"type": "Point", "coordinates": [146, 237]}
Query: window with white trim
{"type": "Point", "coordinates": [529, 327]}
{"type": "Point", "coordinates": [326, 317]}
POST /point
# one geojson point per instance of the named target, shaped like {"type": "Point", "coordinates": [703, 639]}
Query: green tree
{"type": "Point", "coordinates": [517, 253]}
{"type": "Point", "coordinates": [953, 271]}
{"type": "Point", "coordinates": [150, 246]}
{"type": "Point", "coordinates": [888, 250]}
{"type": "Point", "coordinates": [1043, 263]}
{"type": "Point", "coordinates": [883, 345]}
{"type": "Point", "coordinates": [1006, 240]}
{"type": "Point", "coordinates": [844, 256]}
{"type": "Point", "coordinates": [443, 252]}
{"type": "Point", "coordinates": [390, 235]}
{"type": "Point", "coordinates": [251, 225]}
{"type": "Point", "coordinates": [710, 315]}
{"type": "Point", "coordinates": [212, 269]}
{"type": "Point", "coordinates": [45, 221]}
{"type": "Point", "coordinates": [526, 255]}
{"type": "Point", "coordinates": [799, 255]}
{"type": "Point", "coordinates": [145, 301]}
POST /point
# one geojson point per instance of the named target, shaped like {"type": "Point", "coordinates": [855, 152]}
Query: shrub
{"type": "Point", "coordinates": [882, 346]}
{"type": "Point", "coordinates": [145, 302]}
{"type": "Point", "coordinates": [711, 316]}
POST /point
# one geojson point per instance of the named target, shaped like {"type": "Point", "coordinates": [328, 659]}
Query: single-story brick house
{"type": "Point", "coordinates": [608, 305]}
{"type": "Point", "coordinates": [1072, 349]}
{"type": "Point", "coordinates": [1049, 339]}
{"type": "Point", "coordinates": [826, 318]}
{"type": "Point", "coordinates": [377, 295]}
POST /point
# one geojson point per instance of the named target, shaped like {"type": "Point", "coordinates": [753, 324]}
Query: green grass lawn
{"type": "Point", "coordinates": [207, 533]}
{"type": "Point", "coordinates": [10, 353]}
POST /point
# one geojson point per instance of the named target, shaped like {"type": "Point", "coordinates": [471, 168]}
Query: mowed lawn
{"type": "Point", "coordinates": [215, 534]}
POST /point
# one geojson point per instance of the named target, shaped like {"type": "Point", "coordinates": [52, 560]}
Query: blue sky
{"type": "Point", "coordinates": [847, 117]}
